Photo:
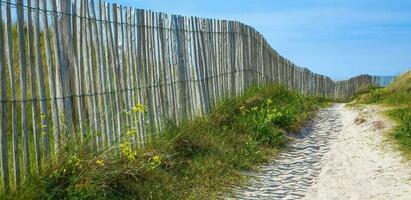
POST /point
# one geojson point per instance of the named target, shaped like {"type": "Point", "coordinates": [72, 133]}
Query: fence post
{"type": "Point", "coordinates": [23, 85]}
{"type": "Point", "coordinates": [9, 38]}
{"type": "Point", "coordinates": [3, 115]}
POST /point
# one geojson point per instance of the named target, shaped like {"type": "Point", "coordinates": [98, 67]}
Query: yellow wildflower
{"type": "Point", "coordinates": [127, 151]}
{"type": "Point", "coordinates": [139, 108]}
{"type": "Point", "coordinates": [100, 163]}
{"type": "Point", "coordinates": [154, 162]}
{"type": "Point", "coordinates": [131, 132]}
{"type": "Point", "coordinates": [157, 159]}
{"type": "Point", "coordinates": [74, 160]}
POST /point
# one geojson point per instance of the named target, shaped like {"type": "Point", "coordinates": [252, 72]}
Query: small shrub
{"type": "Point", "coordinates": [375, 95]}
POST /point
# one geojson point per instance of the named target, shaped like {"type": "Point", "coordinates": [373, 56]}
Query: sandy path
{"type": "Point", "coordinates": [360, 164]}
{"type": "Point", "coordinates": [340, 155]}
{"type": "Point", "coordinates": [292, 173]}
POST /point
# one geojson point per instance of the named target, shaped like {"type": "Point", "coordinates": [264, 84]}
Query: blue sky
{"type": "Point", "coordinates": [338, 38]}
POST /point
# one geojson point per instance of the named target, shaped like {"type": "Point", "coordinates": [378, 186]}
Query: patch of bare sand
{"type": "Point", "coordinates": [361, 164]}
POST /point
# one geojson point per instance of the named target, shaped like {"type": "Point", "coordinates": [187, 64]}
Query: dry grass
{"type": "Point", "coordinates": [401, 84]}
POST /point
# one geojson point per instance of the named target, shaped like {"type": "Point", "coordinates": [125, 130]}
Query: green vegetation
{"type": "Point", "coordinates": [197, 159]}
{"type": "Point", "coordinates": [402, 133]}
{"type": "Point", "coordinates": [397, 96]}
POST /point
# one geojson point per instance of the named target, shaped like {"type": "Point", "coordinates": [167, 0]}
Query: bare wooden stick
{"type": "Point", "coordinates": [3, 115]}
{"type": "Point", "coordinates": [156, 73]}
{"type": "Point", "coordinates": [123, 67]}
{"type": "Point", "coordinates": [109, 60]}
{"type": "Point", "coordinates": [40, 83]}
{"type": "Point", "coordinates": [100, 60]}
{"type": "Point", "coordinates": [102, 74]}
{"type": "Point", "coordinates": [31, 65]}
{"type": "Point", "coordinates": [78, 90]}
{"type": "Point", "coordinates": [51, 79]}
{"type": "Point", "coordinates": [129, 72]}
{"type": "Point", "coordinates": [16, 159]}
{"type": "Point", "coordinates": [148, 72]}
{"type": "Point", "coordinates": [113, 41]}
{"type": "Point", "coordinates": [163, 69]}
{"type": "Point", "coordinates": [84, 70]}
{"type": "Point", "coordinates": [91, 67]}
{"type": "Point", "coordinates": [23, 85]}
{"type": "Point", "coordinates": [67, 62]}
{"type": "Point", "coordinates": [85, 53]}
{"type": "Point", "coordinates": [59, 65]}
{"type": "Point", "coordinates": [137, 60]}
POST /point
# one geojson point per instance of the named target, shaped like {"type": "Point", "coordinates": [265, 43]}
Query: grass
{"type": "Point", "coordinates": [397, 96]}
{"type": "Point", "coordinates": [402, 133]}
{"type": "Point", "coordinates": [197, 159]}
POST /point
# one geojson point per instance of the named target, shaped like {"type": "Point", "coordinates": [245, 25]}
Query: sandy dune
{"type": "Point", "coordinates": [360, 164]}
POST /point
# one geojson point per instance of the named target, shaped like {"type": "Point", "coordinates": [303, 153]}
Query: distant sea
{"type": "Point", "coordinates": [384, 81]}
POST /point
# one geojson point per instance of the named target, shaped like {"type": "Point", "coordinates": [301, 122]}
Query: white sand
{"type": "Point", "coordinates": [361, 164]}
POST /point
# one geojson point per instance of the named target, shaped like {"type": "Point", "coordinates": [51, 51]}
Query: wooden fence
{"type": "Point", "coordinates": [80, 68]}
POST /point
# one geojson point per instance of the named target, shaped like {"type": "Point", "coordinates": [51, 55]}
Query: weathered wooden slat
{"type": "Point", "coordinates": [89, 68]}
{"type": "Point", "coordinates": [32, 77]}
{"type": "Point", "coordinates": [134, 78]}
{"type": "Point", "coordinates": [41, 83]}
{"type": "Point", "coordinates": [23, 86]}
{"type": "Point", "coordinates": [85, 68]}
{"type": "Point", "coordinates": [215, 55]}
{"type": "Point", "coordinates": [200, 65]}
{"type": "Point", "coordinates": [146, 58]}
{"type": "Point", "coordinates": [78, 80]}
{"type": "Point", "coordinates": [207, 71]}
{"type": "Point", "coordinates": [107, 138]}
{"type": "Point", "coordinates": [158, 73]}
{"type": "Point", "coordinates": [59, 64]}
{"type": "Point", "coordinates": [3, 115]}
{"type": "Point", "coordinates": [197, 105]}
{"type": "Point", "coordinates": [51, 79]}
{"type": "Point", "coordinates": [119, 32]}
{"type": "Point", "coordinates": [9, 38]}
{"type": "Point", "coordinates": [100, 86]}
{"type": "Point", "coordinates": [140, 60]}
{"type": "Point", "coordinates": [63, 44]}
{"type": "Point", "coordinates": [164, 64]}
{"type": "Point", "coordinates": [113, 40]}
{"type": "Point", "coordinates": [149, 68]}
{"type": "Point", "coordinates": [172, 68]}
{"type": "Point", "coordinates": [107, 73]}
{"type": "Point", "coordinates": [127, 50]}
{"type": "Point", "coordinates": [124, 71]}
{"type": "Point", "coordinates": [92, 76]}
